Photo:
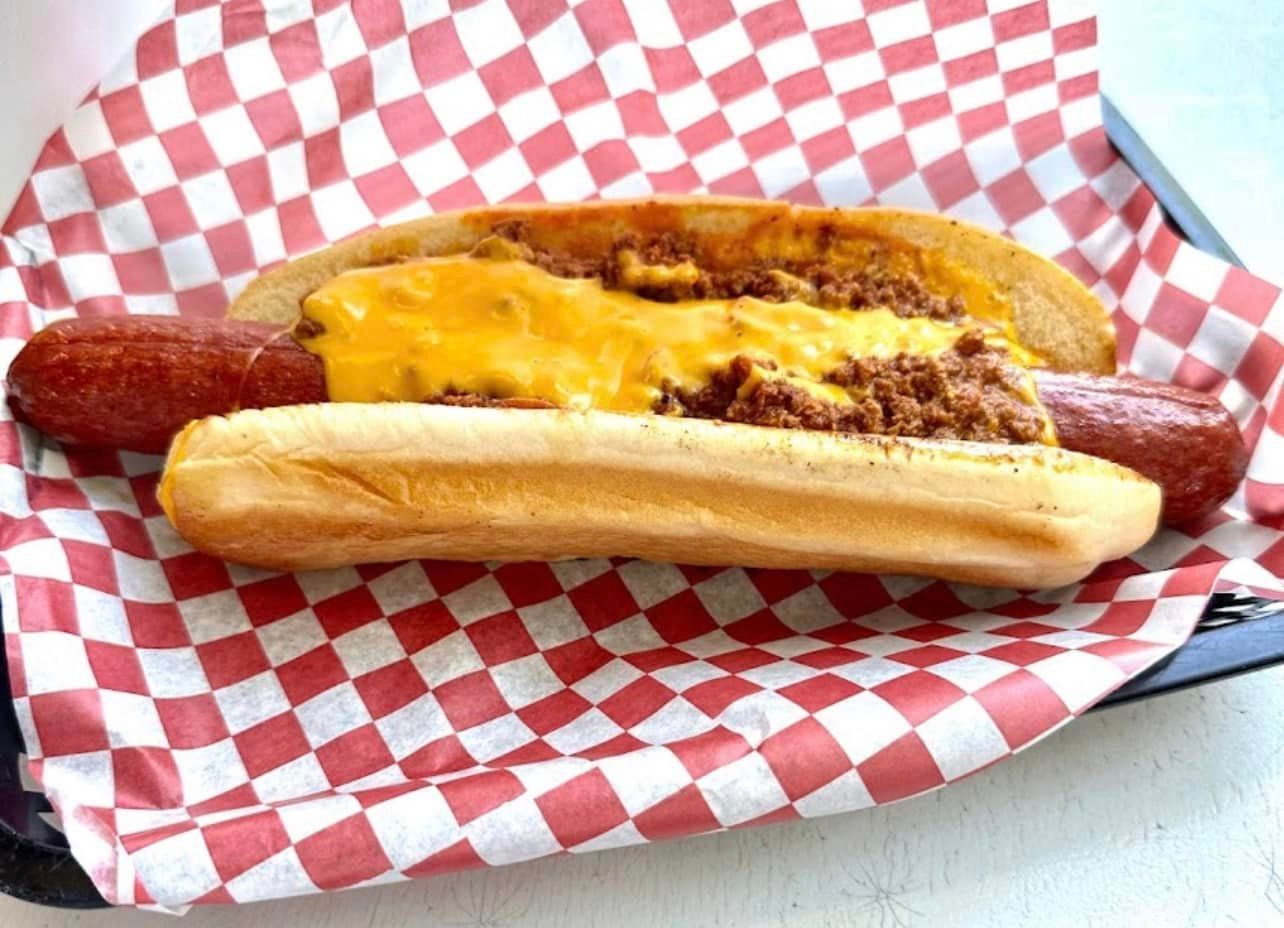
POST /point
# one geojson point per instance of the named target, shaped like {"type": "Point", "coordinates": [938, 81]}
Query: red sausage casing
{"type": "Point", "coordinates": [133, 382]}
{"type": "Point", "coordinates": [1185, 441]}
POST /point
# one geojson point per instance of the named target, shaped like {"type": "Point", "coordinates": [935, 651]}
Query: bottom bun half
{"type": "Point", "coordinates": [302, 487]}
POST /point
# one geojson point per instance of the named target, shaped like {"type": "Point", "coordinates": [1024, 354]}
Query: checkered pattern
{"type": "Point", "coordinates": [211, 733]}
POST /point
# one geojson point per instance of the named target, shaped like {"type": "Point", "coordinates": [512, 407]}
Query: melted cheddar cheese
{"type": "Point", "coordinates": [505, 328]}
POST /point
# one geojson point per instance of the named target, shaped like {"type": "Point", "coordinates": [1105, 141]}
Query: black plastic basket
{"type": "Point", "coordinates": [35, 862]}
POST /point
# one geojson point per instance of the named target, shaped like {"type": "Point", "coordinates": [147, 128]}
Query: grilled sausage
{"type": "Point", "coordinates": [133, 382]}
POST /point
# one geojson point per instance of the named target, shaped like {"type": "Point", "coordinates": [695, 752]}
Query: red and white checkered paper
{"type": "Point", "coordinates": [211, 733]}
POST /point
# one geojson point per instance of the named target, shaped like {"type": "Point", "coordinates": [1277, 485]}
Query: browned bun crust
{"type": "Point", "coordinates": [1056, 316]}
{"type": "Point", "coordinates": [301, 487]}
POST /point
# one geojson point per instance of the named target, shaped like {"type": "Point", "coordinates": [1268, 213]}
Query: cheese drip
{"type": "Point", "coordinates": [505, 328]}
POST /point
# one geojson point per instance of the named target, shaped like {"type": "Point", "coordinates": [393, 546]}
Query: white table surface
{"type": "Point", "coordinates": [1202, 82]}
{"type": "Point", "coordinates": [1168, 812]}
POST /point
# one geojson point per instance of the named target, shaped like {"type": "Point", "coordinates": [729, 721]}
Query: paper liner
{"type": "Point", "coordinates": [211, 733]}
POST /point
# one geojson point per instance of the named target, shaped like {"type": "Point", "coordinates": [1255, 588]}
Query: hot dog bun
{"type": "Point", "coordinates": [337, 483]}
{"type": "Point", "coordinates": [1056, 316]}
{"type": "Point", "coordinates": [328, 484]}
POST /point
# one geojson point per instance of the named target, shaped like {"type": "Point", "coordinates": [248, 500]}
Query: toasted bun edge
{"type": "Point", "coordinates": [1056, 316]}
{"type": "Point", "coordinates": [320, 486]}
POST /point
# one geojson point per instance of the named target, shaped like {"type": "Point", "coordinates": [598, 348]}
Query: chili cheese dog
{"type": "Point", "coordinates": [133, 382]}
{"type": "Point", "coordinates": [730, 383]}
